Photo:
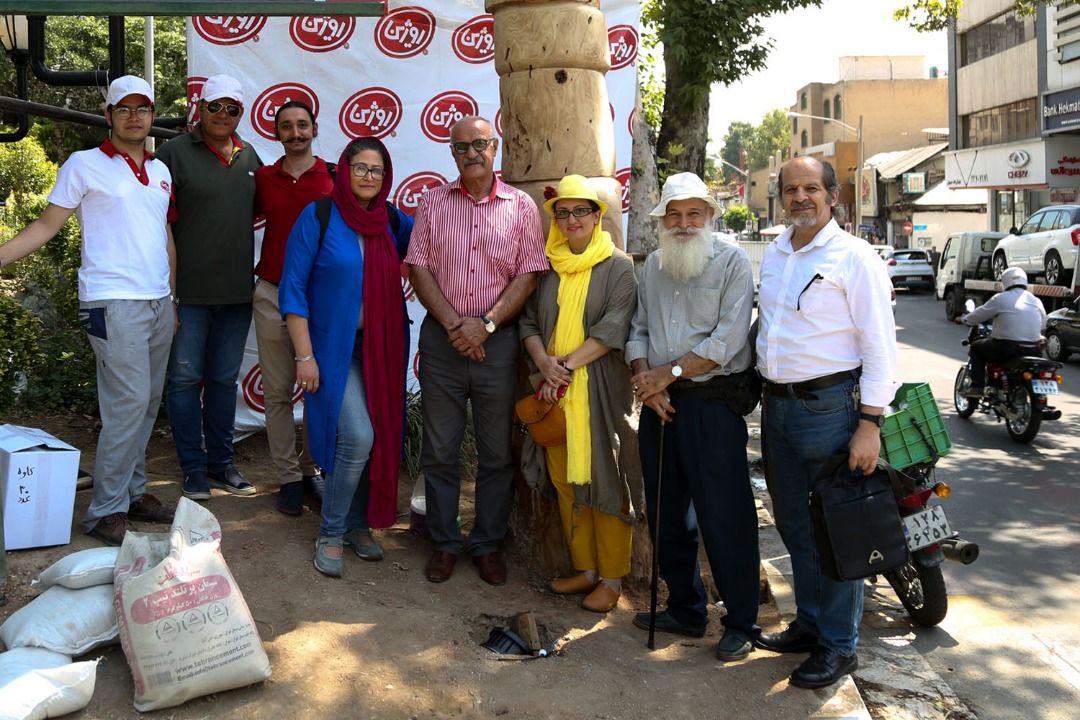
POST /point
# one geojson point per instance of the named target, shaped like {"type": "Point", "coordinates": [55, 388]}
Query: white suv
{"type": "Point", "coordinates": [1045, 245]}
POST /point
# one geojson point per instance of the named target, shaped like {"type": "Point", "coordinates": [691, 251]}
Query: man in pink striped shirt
{"type": "Point", "coordinates": [474, 253]}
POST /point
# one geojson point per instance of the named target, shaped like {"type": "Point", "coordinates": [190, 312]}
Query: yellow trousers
{"type": "Point", "coordinates": [598, 541]}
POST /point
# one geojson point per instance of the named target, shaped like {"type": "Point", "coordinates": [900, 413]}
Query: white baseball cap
{"type": "Point", "coordinates": [121, 87]}
{"type": "Point", "coordinates": [220, 87]}
{"type": "Point", "coordinates": [684, 186]}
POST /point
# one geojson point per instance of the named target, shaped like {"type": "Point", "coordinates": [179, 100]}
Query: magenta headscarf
{"type": "Point", "coordinates": [384, 327]}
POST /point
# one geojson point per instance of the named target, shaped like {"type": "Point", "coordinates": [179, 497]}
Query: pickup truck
{"type": "Point", "coordinates": [964, 271]}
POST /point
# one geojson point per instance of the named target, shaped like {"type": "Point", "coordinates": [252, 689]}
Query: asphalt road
{"type": "Point", "coordinates": [1010, 645]}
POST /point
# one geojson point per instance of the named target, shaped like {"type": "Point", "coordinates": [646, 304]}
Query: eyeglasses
{"type": "Point", "coordinates": [124, 112]}
{"type": "Point", "coordinates": [579, 212]}
{"type": "Point", "coordinates": [361, 170]}
{"type": "Point", "coordinates": [479, 145]}
{"type": "Point", "coordinates": [215, 107]}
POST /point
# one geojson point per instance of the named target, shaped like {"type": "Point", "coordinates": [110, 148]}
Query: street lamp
{"type": "Point", "coordinates": [858, 170]}
{"type": "Point", "coordinates": [14, 40]}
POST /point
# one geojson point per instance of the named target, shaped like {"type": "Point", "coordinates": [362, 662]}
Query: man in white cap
{"type": "Point", "coordinates": [121, 195]}
{"type": "Point", "coordinates": [826, 350]}
{"type": "Point", "coordinates": [214, 179]}
{"type": "Point", "coordinates": [1019, 319]}
{"type": "Point", "coordinates": [691, 367]}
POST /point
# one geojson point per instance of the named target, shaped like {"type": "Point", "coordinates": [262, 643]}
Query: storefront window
{"type": "Point", "coordinates": [1002, 124]}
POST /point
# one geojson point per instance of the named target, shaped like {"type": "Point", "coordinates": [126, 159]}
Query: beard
{"type": "Point", "coordinates": [683, 252]}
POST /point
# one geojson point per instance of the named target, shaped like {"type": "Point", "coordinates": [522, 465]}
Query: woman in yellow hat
{"type": "Point", "coordinates": [574, 328]}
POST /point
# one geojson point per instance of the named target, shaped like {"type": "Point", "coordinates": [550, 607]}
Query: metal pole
{"type": "Point", "coordinates": [656, 542]}
{"type": "Point", "coordinates": [148, 65]}
{"type": "Point", "coordinates": [858, 180]}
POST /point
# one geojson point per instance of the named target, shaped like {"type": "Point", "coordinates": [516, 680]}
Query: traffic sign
{"type": "Point", "coordinates": [908, 228]}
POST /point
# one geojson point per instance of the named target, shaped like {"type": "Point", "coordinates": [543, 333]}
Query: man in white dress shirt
{"type": "Point", "coordinates": [826, 349]}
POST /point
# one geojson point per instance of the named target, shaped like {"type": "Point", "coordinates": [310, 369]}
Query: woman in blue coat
{"type": "Point", "coordinates": [337, 289]}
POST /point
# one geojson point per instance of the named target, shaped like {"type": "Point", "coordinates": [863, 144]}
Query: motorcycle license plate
{"type": "Point", "coordinates": [1044, 387]}
{"type": "Point", "coordinates": [926, 527]}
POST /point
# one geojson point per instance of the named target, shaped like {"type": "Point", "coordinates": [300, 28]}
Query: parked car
{"type": "Point", "coordinates": [884, 251]}
{"type": "Point", "coordinates": [1044, 245]}
{"type": "Point", "coordinates": [910, 268]}
{"type": "Point", "coordinates": [1063, 331]}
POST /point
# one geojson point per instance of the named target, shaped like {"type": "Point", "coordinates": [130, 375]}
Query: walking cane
{"type": "Point", "coordinates": [656, 543]}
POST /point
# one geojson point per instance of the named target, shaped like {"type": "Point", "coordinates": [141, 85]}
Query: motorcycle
{"type": "Point", "coordinates": [919, 583]}
{"type": "Point", "coordinates": [1016, 391]}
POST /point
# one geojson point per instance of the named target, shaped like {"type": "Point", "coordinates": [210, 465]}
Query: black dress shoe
{"type": "Point", "coordinates": [824, 667]}
{"type": "Point", "coordinates": [793, 639]}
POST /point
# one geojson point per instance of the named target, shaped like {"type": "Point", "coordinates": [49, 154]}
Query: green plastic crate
{"type": "Point", "coordinates": [914, 420]}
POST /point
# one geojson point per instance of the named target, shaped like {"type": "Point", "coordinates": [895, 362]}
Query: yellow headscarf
{"type": "Point", "coordinates": [574, 273]}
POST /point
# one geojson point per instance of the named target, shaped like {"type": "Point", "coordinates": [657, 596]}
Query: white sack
{"type": "Point", "coordinates": [184, 625]}
{"type": "Point", "coordinates": [71, 622]}
{"type": "Point", "coordinates": [78, 570]}
{"type": "Point", "coordinates": [37, 683]}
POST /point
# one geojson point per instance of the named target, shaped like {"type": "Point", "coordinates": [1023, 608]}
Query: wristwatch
{"type": "Point", "coordinates": [489, 324]}
{"type": "Point", "coordinates": [676, 368]}
{"type": "Point", "coordinates": [878, 420]}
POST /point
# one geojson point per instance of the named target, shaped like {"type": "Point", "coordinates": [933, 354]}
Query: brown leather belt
{"type": "Point", "coordinates": [805, 389]}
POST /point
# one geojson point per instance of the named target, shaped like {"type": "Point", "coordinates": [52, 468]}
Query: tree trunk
{"type": "Point", "coordinates": [684, 128]}
{"type": "Point", "coordinates": [641, 235]}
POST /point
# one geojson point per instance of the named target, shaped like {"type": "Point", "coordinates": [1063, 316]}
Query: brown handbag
{"type": "Point", "coordinates": [545, 421]}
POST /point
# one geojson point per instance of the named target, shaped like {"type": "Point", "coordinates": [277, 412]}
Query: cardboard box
{"type": "Point", "coordinates": [37, 487]}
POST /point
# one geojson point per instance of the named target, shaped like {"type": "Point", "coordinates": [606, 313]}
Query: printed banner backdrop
{"type": "Point", "coordinates": [405, 78]}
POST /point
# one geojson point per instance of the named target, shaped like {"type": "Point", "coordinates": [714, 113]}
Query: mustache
{"type": "Point", "coordinates": [802, 206]}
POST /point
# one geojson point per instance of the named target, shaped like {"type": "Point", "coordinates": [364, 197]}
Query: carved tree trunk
{"type": "Point", "coordinates": [641, 233]}
{"type": "Point", "coordinates": [551, 57]}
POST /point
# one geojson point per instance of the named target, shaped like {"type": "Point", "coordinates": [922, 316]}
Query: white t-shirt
{"type": "Point", "coordinates": [124, 246]}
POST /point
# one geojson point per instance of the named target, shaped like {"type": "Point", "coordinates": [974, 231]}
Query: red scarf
{"type": "Point", "coordinates": [384, 328]}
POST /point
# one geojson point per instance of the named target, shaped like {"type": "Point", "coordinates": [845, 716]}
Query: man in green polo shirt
{"type": "Point", "coordinates": [213, 174]}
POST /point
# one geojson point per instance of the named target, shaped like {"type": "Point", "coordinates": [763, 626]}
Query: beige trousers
{"type": "Point", "coordinates": [276, 359]}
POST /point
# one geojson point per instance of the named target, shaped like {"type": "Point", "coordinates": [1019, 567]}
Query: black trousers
{"type": "Point", "coordinates": [993, 350]}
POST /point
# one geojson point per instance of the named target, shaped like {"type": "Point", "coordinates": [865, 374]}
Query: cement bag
{"type": "Point", "coordinates": [36, 684]}
{"type": "Point", "coordinates": [78, 570]}
{"type": "Point", "coordinates": [71, 622]}
{"type": "Point", "coordinates": [184, 625]}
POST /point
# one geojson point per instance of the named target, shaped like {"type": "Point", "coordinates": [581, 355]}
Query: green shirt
{"type": "Point", "coordinates": [213, 231]}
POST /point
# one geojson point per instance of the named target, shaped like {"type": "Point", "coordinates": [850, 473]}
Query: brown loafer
{"type": "Point", "coordinates": [601, 600]}
{"type": "Point", "coordinates": [149, 509]}
{"type": "Point", "coordinates": [111, 529]}
{"type": "Point", "coordinates": [577, 585]}
{"type": "Point", "coordinates": [491, 567]}
{"type": "Point", "coordinates": [440, 566]}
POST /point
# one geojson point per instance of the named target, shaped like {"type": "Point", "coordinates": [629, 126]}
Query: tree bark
{"type": "Point", "coordinates": [641, 237]}
{"type": "Point", "coordinates": [684, 128]}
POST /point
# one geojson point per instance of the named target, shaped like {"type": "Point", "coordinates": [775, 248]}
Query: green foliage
{"type": "Point", "coordinates": [414, 434]}
{"type": "Point", "coordinates": [933, 15]}
{"type": "Point", "coordinates": [735, 217]}
{"type": "Point", "coordinates": [773, 135]}
{"type": "Point", "coordinates": [738, 139]}
{"type": "Point", "coordinates": [650, 76]}
{"type": "Point", "coordinates": [20, 331]}
{"type": "Point", "coordinates": [24, 168]}
{"type": "Point", "coordinates": [64, 376]}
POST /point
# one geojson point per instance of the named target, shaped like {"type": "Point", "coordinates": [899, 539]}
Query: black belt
{"type": "Point", "coordinates": [805, 390]}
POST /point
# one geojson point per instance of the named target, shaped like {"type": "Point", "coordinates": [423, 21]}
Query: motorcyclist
{"type": "Point", "coordinates": [1019, 319]}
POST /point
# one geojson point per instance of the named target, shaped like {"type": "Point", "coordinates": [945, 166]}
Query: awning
{"type": "Point", "coordinates": [941, 195]}
{"type": "Point", "coordinates": [908, 160]}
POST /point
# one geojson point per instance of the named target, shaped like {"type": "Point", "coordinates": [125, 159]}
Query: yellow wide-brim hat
{"type": "Point", "coordinates": [574, 187]}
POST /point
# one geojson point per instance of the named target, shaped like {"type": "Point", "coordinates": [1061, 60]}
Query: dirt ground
{"type": "Point", "coordinates": [385, 643]}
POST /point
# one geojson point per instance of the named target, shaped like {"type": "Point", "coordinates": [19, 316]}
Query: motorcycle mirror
{"type": "Point", "coordinates": [969, 305]}
{"type": "Point", "coordinates": [1013, 230]}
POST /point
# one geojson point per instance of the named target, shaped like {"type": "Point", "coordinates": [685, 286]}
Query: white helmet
{"type": "Point", "coordinates": [1014, 276]}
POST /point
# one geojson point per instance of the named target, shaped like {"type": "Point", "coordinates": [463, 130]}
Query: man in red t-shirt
{"type": "Point", "coordinates": [282, 190]}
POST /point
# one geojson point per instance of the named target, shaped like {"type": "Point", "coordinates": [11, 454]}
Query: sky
{"type": "Point", "coordinates": [807, 45]}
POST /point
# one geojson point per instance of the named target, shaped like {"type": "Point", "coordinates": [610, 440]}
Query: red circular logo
{"type": "Point", "coordinates": [228, 29]}
{"type": "Point", "coordinates": [412, 188]}
{"type": "Point", "coordinates": [259, 224]}
{"type": "Point", "coordinates": [623, 176]}
{"type": "Point", "coordinates": [498, 122]}
{"type": "Point", "coordinates": [474, 40]}
{"type": "Point", "coordinates": [623, 45]}
{"type": "Point", "coordinates": [405, 32]}
{"type": "Point", "coordinates": [253, 390]}
{"type": "Point", "coordinates": [630, 121]}
{"type": "Point", "coordinates": [194, 92]}
{"type": "Point", "coordinates": [374, 112]}
{"type": "Point", "coordinates": [322, 33]}
{"type": "Point", "coordinates": [265, 106]}
{"type": "Point", "coordinates": [443, 110]}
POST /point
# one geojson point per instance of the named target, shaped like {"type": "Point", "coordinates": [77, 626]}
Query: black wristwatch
{"type": "Point", "coordinates": [878, 420]}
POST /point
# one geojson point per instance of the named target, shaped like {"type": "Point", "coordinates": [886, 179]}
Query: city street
{"type": "Point", "coordinates": [1010, 645]}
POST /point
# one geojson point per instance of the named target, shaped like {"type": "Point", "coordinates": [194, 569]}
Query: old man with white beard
{"type": "Point", "coordinates": [691, 368]}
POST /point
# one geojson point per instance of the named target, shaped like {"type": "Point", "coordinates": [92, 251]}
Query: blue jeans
{"type": "Point", "coordinates": [705, 489]}
{"type": "Point", "coordinates": [799, 437]}
{"type": "Point", "coordinates": [207, 350]}
{"type": "Point", "coordinates": [345, 499]}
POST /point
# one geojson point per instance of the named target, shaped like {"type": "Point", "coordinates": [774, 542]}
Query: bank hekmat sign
{"type": "Point", "coordinates": [369, 8]}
